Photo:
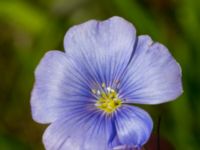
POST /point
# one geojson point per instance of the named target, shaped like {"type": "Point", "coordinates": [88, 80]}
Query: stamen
{"type": "Point", "coordinates": [97, 104]}
{"type": "Point", "coordinates": [103, 85]}
{"type": "Point", "coordinates": [108, 101]}
{"type": "Point", "coordinates": [112, 90]}
{"type": "Point", "coordinates": [98, 92]}
{"type": "Point", "coordinates": [108, 89]}
{"type": "Point", "coordinates": [94, 91]}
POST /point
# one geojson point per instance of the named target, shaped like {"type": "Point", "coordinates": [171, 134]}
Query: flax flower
{"type": "Point", "coordinates": [87, 93]}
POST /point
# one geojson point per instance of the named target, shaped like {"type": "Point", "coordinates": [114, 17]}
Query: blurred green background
{"type": "Point", "coordinates": [29, 28]}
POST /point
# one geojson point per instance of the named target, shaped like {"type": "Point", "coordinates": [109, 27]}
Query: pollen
{"type": "Point", "coordinates": [108, 101]}
{"type": "Point", "coordinates": [103, 85]}
{"type": "Point", "coordinates": [94, 91]}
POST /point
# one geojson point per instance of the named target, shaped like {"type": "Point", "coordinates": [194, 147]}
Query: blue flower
{"type": "Point", "coordinates": [87, 93]}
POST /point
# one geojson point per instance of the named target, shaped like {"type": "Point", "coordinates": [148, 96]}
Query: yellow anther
{"type": "Point", "coordinates": [94, 91]}
{"type": "Point", "coordinates": [108, 102]}
{"type": "Point", "coordinates": [103, 85]}
{"type": "Point", "coordinates": [103, 95]}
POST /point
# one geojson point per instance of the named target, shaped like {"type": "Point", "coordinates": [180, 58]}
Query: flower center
{"type": "Point", "coordinates": [108, 100]}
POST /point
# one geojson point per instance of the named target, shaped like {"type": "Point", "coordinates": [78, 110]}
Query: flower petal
{"type": "Point", "coordinates": [126, 147]}
{"type": "Point", "coordinates": [133, 126]}
{"type": "Point", "coordinates": [153, 76]}
{"type": "Point", "coordinates": [68, 134]}
{"type": "Point", "coordinates": [104, 48]}
{"type": "Point", "coordinates": [58, 86]}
